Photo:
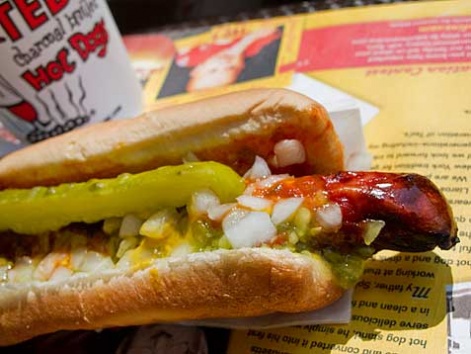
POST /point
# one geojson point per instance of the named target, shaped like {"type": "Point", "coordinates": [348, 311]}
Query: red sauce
{"type": "Point", "coordinates": [417, 215]}
{"type": "Point", "coordinates": [311, 188]}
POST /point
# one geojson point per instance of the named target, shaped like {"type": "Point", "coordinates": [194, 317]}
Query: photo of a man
{"type": "Point", "coordinates": [249, 57]}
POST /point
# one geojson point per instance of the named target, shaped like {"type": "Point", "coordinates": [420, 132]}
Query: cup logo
{"type": "Point", "coordinates": [64, 66]}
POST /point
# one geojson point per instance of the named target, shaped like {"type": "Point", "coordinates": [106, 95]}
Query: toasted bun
{"type": "Point", "coordinates": [235, 283]}
{"type": "Point", "coordinates": [231, 129]}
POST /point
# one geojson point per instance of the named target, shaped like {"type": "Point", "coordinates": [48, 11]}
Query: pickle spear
{"type": "Point", "coordinates": [41, 209]}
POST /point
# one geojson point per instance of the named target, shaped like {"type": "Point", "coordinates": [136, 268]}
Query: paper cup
{"type": "Point", "coordinates": [63, 64]}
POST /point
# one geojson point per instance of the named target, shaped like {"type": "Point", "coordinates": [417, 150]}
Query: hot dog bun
{"type": "Point", "coordinates": [231, 129]}
{"type": "Point", "coordinates": [236, 283]}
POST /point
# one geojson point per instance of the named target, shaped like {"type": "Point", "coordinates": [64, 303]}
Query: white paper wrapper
{"type": "Point", "coordinates": [347, 123]}
{"type": "Point", "coordinates": [348, 114]}
{"type": "Point", "coordinates": [337, 313]}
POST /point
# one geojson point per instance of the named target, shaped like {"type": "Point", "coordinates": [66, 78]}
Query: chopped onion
{"type": "Point", "coordinates": [126, 261]}
{"type": "Point", "coordinates": [248, 229]}
{"type": "Point", "coordinates": [126, 244]}
{"type": "Point", "coordinates": [135, 256]}
{"type": "Point", "coordinates": [254, 203]}
{"type": "Point", "coordinates": [23, 270]}
{"type": "Point", "coordinates": [95, 261]}
{"type": "Point", "coordinates": [234, 217]}
{"type": "Point", "coordinates": [159, 225]}
{"type": "Point", "coordinates": [259, 169]}
{"type": "Point", "coordinates": [202, 201]}
{"type": "Point", "coordinates": [288, 152]}
{"type": "Point", "coordinates": [77, 257]}
{"type": "Point", "coordinates": [181, 250]}
{"type": "Point", "coordinates": [48, 265]}
{"type": "Point", "coordinates": [130, 226]}
{"type": "Point", "coordinates": [372, 230]}
{"type": "Point", "coordinates": [271, 180]}
{"type": "Point", "coordinates": [329, 217]}
{"type": "Point", "coordinates": [284, 209]}
{"type": "Point", "coordinates": [61, 273]}
{"type": "Point", "coordinates": [217, 212]}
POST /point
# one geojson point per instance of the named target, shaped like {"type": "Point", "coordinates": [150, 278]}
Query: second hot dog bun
{"type": "Point", "coordinates": [231, 129]}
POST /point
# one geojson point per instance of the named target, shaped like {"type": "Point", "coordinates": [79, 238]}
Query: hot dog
{"type": "Point", "coordinates": [97, 230]}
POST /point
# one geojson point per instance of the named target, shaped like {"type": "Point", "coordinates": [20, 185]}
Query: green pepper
{"type": "Point", "coordinates": [44, 209]}
{"type": "Point", "coordinates": [348, 268]}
